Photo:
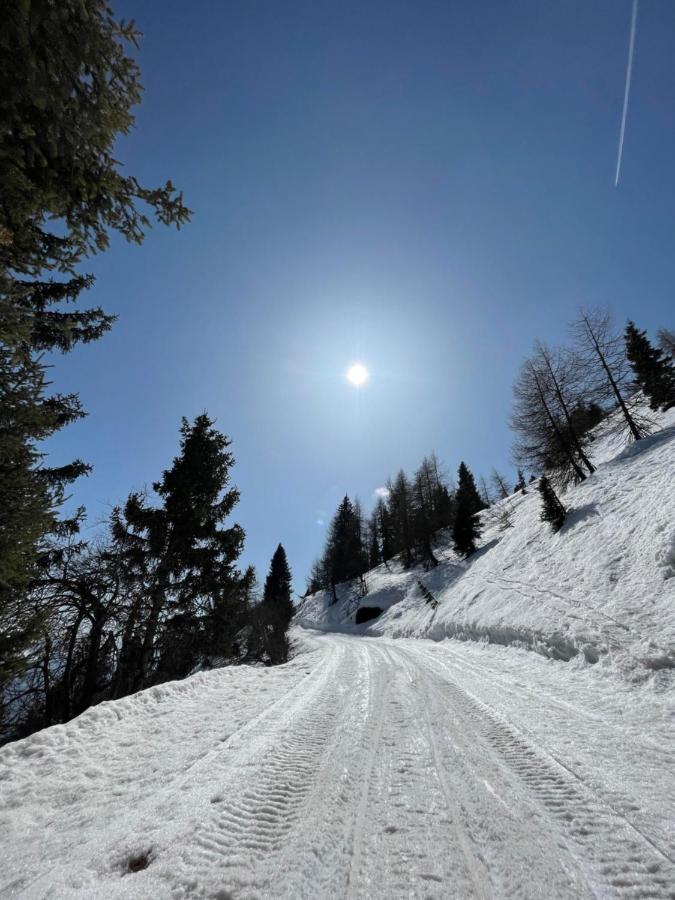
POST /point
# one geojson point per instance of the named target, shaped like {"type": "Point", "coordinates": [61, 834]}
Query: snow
{"type": "Point", "coordinates": [365, 767]}
{"type": "Point", "coordinates": [378, 763]}
{"type": "Point", "coordinates": [603, 587]}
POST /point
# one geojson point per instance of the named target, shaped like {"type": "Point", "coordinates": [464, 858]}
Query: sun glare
{"type": "Point", "coordinates": [357, 374]}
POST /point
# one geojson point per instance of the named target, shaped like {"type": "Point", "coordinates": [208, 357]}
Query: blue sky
{"type": "Point", "coordinates": [427, 187]}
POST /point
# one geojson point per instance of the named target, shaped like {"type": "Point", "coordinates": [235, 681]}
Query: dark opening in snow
{"type": "Point", "coordinates": [139, 862]}
{"type": "Point", "coordinates": [366, 613]}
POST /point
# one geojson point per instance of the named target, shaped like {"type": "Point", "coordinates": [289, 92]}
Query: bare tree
{"type": "Point", "coordinates": [542, 441]}
{"type": "Point", "coordinates": [484, 491]}
{"type": "Point", "coordinates": [602, 360]}
{"type": "Point", "coordinates": [561, 372]}
{"type": "Point", "coordinates": [666, 339]}
{"type": "Point", "coordinates": [79, 600]}
{"type": "Point", "coordinates": [500, 485]}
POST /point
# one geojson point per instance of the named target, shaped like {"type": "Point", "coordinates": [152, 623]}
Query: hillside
{"type": "Point", "coordinates": [602, 589]}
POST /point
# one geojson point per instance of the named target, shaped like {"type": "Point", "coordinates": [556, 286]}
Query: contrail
{"type": "Point", "coordinates": [629, 72]}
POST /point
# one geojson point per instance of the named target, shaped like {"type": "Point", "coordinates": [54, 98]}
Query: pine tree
{"type": "Point", "coordinates": [344, 557]}
{"type": "Point", "coordinates": [466, 528]}
{"type": "Point", "coordinates": [400, 508]}
{"type": "Point", "coordinates": [30, 492]}
{"type": "Point", "coordinates": [68, 89]}
{"type": "Point", "coordinates": [552, 510]}
{"type": "Point", "coordinates": [374, 552]}
{"type": "Point", "coordinates": [178, 549]}
{"type": "Point", "coordinates": [467, 484]}
{"type": "Point", "coordinates": [381, 514]}
{"type": "Point", "coordinates": [316, 580]}
{"type": "Point", "coordinates": [653, 371]}
{"type": "Point", "coordinates": [277, 607]}
{"type": "Point", "coordinates": [520, 484]}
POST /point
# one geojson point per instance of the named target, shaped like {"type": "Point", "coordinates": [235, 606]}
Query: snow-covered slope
{"type": "Point", "coordinates": [601, 589]}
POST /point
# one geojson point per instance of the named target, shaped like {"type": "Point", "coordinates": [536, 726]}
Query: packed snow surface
{"type": "Point", "coordinates": [365, 767]}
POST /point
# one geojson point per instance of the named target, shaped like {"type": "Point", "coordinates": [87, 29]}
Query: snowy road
{"type": "Point", "coordinates": [363, 768]}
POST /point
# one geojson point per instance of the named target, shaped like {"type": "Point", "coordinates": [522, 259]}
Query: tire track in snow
{"type": "Point", "coordinates": [266, 801]}
{"type": "Point", "coordinates": [264, 833]}
{"type": "Point", "coordinates": [380, 696]}
{"type": "Point", "coordinates": [174, 782]}
{"type": "Point", "coordinates": [620, 858]}
{"type": "Point", "coordinates": [474, 866]}
{"type": "Point", "coordinates": [258, 722]}
{"type": "Point", "coordinates": [459, 662]}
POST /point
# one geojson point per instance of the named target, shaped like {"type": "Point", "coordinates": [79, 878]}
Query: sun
{"type": "Point", "coordinates": [357, 374]}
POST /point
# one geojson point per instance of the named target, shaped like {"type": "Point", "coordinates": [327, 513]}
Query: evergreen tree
{"type": "Point", "coordinates": [68, 88]}
{"type": "Point", "coordinates": [653, 371]}
{"type": "Point", "coordinates": [585, 416]}
{"type": "Point", "coordinates": [374, 553]}
{"type": "Point", "coordinates": [178, 550]}
{"type": "Point", "coordinates": [467, 484]}
{"type": "Point", "coordinates": [553, 511]}
{"type": "Point", "coordinates": [30, 492]}
{"type": "Point", "coordinates": [468, 503]}
{"type": "Point", "coordinates": [316, 580]}
{"type": "Point", "coordinates": [400, 508]}
{"type": "Point", "coordinates": [344, 557]}
{"type": "Point", "coordinates": [277, 607]}
{"type": "Point", "coordinates": [381, 514]}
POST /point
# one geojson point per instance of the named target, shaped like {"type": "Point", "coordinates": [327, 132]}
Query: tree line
{"type": "Point", "coordinates": [159, 592]}
{"type": "Point", "coordinates": [404, 523]}
{"type": "Point", "coordinates": [560, 395]}
{"type": "Point", "coordinates": [153, 598]}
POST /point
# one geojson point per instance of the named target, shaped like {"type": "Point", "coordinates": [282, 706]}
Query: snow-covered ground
{"type": "Point", "coordinates": [372, 768]}
{"type": "Point", "coordinates": [603, 588]}
{"type": "Point", "coordinates": [383, 764]}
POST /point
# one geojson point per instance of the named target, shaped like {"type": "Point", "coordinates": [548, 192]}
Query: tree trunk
{"type": "Point", "coordinates": [579, 472]}
{"type": "Point", "coordinates": [92, 664]}
{"type": "Point", "coordinates": [561, 400]}
{"type": "Point", "coordinates": [68, 671]}
{"type": "Point", "coordinates": [634, 430]}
